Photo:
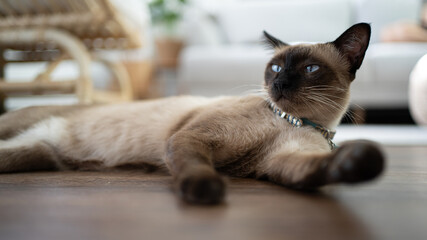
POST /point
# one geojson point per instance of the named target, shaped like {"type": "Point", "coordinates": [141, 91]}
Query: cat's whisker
{"type": "Point", "coordinates": [320, 96]}
{"type": "Point", "coordinates": [327, 101]}
{"type": "Point", "coordinates": [352, 115]}
{"type": "Point", "coordinates": [250, 88]}
{"type": "Point", "coordinates": [315, 110]}
{"type": "Point", "coordinates": [360, 108]}
{"type": "Point", "coordinates": [312, 109]}
{"type": "Point", "coordinates": [248, 85]}
{"type": "Point", "coordinates": [357, 106]}
{"type": "Point", "coordinates": [325, 87]}
{"type": "Point", "coordinates": [316, 100]}
{"type": "Point", "coordinates": [257, 92]}
{"type": "Point", "coordinates": [327, 95]}
{"type": "Point", "coordinates": [349, 117]}
{"type": "Point", "coordinates": [326, 98]}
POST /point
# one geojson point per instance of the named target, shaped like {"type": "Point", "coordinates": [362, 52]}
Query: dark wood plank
{"type": "Point", "coordinates": [136, 205]}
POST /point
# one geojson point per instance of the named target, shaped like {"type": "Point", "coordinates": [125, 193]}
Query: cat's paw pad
{"type": "Point", "coordinates": [201, 189]}
{"type": "Point", "coordinates": [357, 161]}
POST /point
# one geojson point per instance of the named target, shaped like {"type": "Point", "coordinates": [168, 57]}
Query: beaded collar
{"type": "Point", "coordinates": [299, 122]}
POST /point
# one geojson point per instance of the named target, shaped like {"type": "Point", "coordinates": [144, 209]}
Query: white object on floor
{"type": "Point", "coordinates": [395, 135]}
{"type": "Point", "coordinates": [418, 92]}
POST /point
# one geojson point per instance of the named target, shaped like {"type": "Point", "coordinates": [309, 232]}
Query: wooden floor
{"type": "Point", "coordinates": [132, 205]}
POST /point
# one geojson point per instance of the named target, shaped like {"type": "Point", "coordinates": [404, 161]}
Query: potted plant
{"type": "Point", "coordinates": [166, 16]}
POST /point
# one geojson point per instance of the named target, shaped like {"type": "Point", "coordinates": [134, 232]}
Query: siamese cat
{"type": "Point", "coordinates": [284, 137]}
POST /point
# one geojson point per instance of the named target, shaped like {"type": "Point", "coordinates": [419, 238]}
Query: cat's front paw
{"type": "Point", "coordinates": [202, 189]}
{"type": "Point", "coordinates": [356, 161]}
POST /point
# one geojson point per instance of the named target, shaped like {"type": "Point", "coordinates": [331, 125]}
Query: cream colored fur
{"type": "Point", "coordinates": [138, 132]}
{"type": "Point", "coordinates": [126, 133]}
{"type": "Point", "coordinates": [52, 131]}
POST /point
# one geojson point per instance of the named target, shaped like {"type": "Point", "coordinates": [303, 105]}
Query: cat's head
{"type": "Point", "coordinates": [312, 80]}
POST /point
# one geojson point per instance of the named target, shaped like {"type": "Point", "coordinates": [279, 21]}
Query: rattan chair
{"type": "Point", "coordinates": [58, 30]}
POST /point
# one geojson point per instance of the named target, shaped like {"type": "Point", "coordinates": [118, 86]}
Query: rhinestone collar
{"type": "Point", "coordinates": [299, 122]}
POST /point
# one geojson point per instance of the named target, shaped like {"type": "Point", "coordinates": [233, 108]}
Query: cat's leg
{"type": "Point", "coordinates": [353, 162]}
{"type": "Point", "coordinates": [33, 149]}
{"type": "Point", "coordinates": [189, 159]}
{"type": "Point", "coordinates": [15, 122]}
{"type": "Point", "coordinates": [35, 157]}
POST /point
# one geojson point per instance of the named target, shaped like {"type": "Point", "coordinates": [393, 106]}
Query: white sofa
{"type": "Point", "coordinates": [225, 57]}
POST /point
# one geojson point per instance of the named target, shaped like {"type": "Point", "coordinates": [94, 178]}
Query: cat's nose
{"type": "Point", "coordinates": [286, 83]}
{"type": "Point", "coordinates": [282, 83]}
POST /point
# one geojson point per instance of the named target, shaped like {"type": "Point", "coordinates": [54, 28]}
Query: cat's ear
{"type": "Point", "coordinates": [353, 44]}
{"type": "Point", "coordinates": [273, 42]}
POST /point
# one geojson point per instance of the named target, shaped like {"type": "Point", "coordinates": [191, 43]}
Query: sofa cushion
{"type": "Point", "coordinates": [291, 21]}
{"type": "Point", "coordinates": [383, 79]}
{"type": "Point", "coordinates": [393, 62]}
{"type": "Point", "coordinates": [223, 69]}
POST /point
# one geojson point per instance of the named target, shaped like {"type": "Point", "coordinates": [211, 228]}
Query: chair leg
{"type": "Point", "coordinates": [2, 103]}
{"type": "Point", "coordinates": [121, 75]}
{"type": "Point", "coordinates": [71, 45]}
{"type": "Point", "coordinates": [123, 79]}
{"type": "Point", "coordinates": [2, 95]}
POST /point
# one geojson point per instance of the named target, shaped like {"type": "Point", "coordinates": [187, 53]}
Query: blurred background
{"type": "Point", "coordinates": [89, 51]}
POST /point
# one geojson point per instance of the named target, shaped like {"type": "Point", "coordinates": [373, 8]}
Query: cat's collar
{"type": "Point", "coordinates": [299, 122]}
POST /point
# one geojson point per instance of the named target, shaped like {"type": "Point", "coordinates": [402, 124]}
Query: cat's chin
{"type": "Point", "coordinates": [287, 106]}
{"type": "Point", "coordinates": [280, 100]}
{"type": "Point", "coordinates": [283, 101]}
{"type": "Point", "coordinates": [289, 102]}
{"type": "Point", "coordinates": [284, 98]}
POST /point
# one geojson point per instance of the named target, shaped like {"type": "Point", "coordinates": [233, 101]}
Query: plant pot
{"type": "Point", "coordinates": [168, 51]}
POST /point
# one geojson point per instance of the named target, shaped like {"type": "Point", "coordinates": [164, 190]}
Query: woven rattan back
{"type": "Point", "coordinates": [96, 22]}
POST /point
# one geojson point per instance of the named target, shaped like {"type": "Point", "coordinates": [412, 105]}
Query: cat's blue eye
{"type": "Point", "coordinates": [276, 68]}
{"type": "Point", "coordinates": [312, 68]}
